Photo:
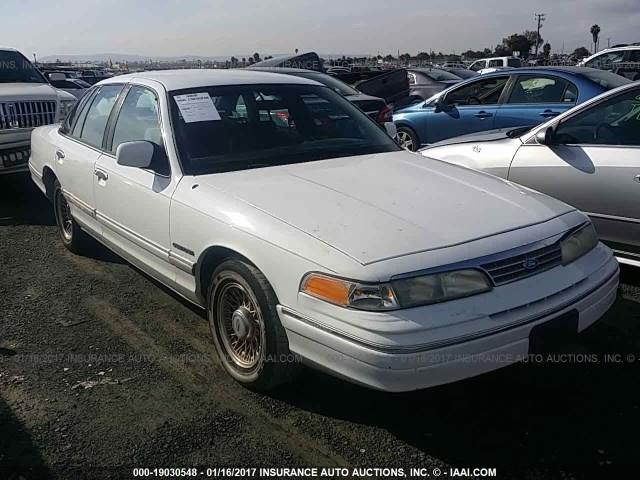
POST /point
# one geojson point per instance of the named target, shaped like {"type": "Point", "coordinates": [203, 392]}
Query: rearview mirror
{"type": "Point", "coordinates": [391, 129]}
{"type": "Point", "coordinates": [135, 154]}
{"type": "Point", "coordinates": [546, 136]}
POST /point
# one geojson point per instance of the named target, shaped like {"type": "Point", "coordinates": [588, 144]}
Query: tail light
{"type": "Point", "coordinates": [385, 114]}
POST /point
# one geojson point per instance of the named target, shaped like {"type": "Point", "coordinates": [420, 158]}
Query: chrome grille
{"type": "Point", "coordinates": [27, 114]}
{"type": "Point", "coordinates": [524, 265]}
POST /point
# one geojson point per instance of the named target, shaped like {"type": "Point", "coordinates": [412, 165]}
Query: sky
{"type": "Point", "coordinates": [231, 27]}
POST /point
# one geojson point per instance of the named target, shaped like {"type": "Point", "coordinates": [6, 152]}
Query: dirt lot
{"type": "Point", "coordinates": [157, 396]}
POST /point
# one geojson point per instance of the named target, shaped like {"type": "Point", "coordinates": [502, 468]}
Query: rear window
{"type": "Point", "coordinates": [440, 75]}
{"type": "Point", "coordinates": [333, 83]}
{"type": "Point", "coordinates": [605, 79]}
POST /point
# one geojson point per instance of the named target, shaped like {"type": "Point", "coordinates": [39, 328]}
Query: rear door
{"type": "Point", "coordinates": [595, 167]}
{"type": "Point", "coordinates": [534, 99]}
{"type": "Point", "coordinates": [466, 109]}
{"type": "Point", "coordinates": [78, 150]}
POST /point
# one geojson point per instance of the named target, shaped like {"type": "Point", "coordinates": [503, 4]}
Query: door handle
{"type": "Point", "coordinates": [482, 114]}
{"type": "Point", "coordinates": [549, 113]}
{"type": "Point", "coordinates": [59, 154]}
{"type": "Point", "coordinates": [101, 174]}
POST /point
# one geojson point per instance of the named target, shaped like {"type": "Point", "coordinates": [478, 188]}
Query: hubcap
{"type": "Point", "coordinates": [405, 140]}
{"type": "Point", "coordinates": [240, 324]}
{"type": "Point", "coordinates": [64, 217]}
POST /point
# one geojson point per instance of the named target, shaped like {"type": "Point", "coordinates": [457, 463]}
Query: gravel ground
{"type": "Point", "coordinates": [102, 370]}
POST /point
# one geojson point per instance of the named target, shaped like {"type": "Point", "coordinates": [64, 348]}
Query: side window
{"type": "Point", "coordinates": [481, 92]}
{"type": "Point", "coordinates": [495, 63]}
{"type": "Point", "coordinates": [614, 122]}
{"type": "Point", "coordinates": [479, 65]}
{"type": "Point", "coordinates": [77, 114]}
{"type": "Point", "coordinates": [533, 89]}
{"type": "Point", "coordinates": [514, 62]}
{"type": "Point", "coordinates": [634, 56]}
{"type": "Point", "coordinates": [139, 119]}
{"type": "Point", "coordinates": [97, 115]}
{"type": "Point", "coordinates": [606, 60]}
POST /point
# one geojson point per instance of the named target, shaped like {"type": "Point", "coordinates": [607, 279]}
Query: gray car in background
{"type": "Point", "coordinates": [588, 157]}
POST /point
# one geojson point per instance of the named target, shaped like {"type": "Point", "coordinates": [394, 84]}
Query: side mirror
{"type": "Point", "coordinates": [440, 104]}
{"type": "Point", "coordinates": [391, 129]}
{"type": "Point", "coordinates": [135, 154]}
{"type": "Point", "coordinates": [546, 136]}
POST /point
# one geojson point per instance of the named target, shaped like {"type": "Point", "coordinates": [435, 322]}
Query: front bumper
{"type": "Point", "coordinates": [15, 148]}
{"type": "Point", "coordinates": [427, 352]}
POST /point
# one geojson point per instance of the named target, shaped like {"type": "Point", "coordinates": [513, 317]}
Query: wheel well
{"type": "Point", "coordinates": [208, 262]}
{"type": "Point", "coordinates": [48, 178]}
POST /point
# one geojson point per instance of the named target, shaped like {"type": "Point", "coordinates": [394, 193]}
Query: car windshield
{"type": "Point", "coordinates": [605, 79]}
{"type": "Point", "coordinates": [15, 68]}
{"type": "Point", "coordinates": [337, 85]}
{"type": "Point", "coordinates": [227, 128]}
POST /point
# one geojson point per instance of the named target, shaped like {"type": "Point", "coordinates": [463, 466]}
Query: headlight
{"type": "Point", "coordinates": [347, 293]}
{"type": "Point", "coordinates": [405, 293]}
{"type": "Point", "coordinates": [440, 287]}
{"type": "Point", "coordinates": [65, 108]}
{"type": "Point", "coordinates": [578, 243]}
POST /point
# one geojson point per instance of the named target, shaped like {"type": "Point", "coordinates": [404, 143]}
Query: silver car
{"type": "Point", "coordinates": [588, 157]}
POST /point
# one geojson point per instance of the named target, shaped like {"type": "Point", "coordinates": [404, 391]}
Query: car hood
{"type": "Point", "coordinates": [383, 206]}
{"type": "Point", "coordinates": [28, 92]}
{"type": "Point", "coordinates": [486, 136]}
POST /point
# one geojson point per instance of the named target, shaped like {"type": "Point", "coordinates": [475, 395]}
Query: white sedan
{"type": "Point", "coordinates": [311, 237]}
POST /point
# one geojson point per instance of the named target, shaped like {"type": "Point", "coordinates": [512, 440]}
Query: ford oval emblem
{"type": "Point", "coordinates": [530, 263]}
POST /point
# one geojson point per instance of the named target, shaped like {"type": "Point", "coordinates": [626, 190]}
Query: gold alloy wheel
{"type": "Point", "coordinates": [240, 324]}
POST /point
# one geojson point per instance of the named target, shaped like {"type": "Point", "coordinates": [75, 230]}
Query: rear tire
{"type": "Point", "coordinates": [408, 139]}
{"type": "Point", "coordinates": [72, 236]}
{"type": "Point", "coordinates": [247, 333]}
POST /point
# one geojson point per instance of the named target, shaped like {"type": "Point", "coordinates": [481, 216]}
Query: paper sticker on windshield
{"type": "Point", "coordinates": [197, 107]}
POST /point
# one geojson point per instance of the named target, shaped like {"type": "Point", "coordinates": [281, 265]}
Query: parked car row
{"type": "Point", "coordinates": [310, 236]}
{"type": "Point", "coordinates": [518, 97]}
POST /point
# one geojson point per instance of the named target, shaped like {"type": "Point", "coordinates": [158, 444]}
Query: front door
{"type": "Point", "coordinates": [468, 109]}
{"type": "Point", "coordinates": [133, 203]}
{"type": "Point", "coordinates": [595, 167]}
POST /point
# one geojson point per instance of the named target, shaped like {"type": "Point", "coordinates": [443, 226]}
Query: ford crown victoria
{"type": "Point", "coordinates": [310, 237]}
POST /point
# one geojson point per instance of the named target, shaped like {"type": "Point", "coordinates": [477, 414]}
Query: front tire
{"type": "Point", "coordinates": [408, 139]}
{"type": "Point", "coordinates": [247, 333]}
{"type": "Point", "coordinates": [72, 236]}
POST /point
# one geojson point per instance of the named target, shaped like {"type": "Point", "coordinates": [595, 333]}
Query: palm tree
{"type": "Point", "coordinates": [595, 32]}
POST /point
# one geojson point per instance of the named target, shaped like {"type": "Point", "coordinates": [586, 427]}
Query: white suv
{"type": "Point", "coordinates": [624, 60]}
{"type": "Point", "coordinates": [496, 63]}
{"type": "Point", "coordinates": [27, 101]}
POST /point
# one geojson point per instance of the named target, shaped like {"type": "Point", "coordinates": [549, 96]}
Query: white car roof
{"type": "Point", "coordinates": [179, 79]}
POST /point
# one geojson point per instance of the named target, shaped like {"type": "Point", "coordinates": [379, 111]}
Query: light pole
{"type": "Point", "coordinates": [541, 18]}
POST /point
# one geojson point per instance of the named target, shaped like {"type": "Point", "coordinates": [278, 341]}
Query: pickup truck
{"type": "Point", "coordinates": [27, 101]}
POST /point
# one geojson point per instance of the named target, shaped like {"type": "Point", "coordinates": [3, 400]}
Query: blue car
{"type": "Point", "coordinates": [509, 98]}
